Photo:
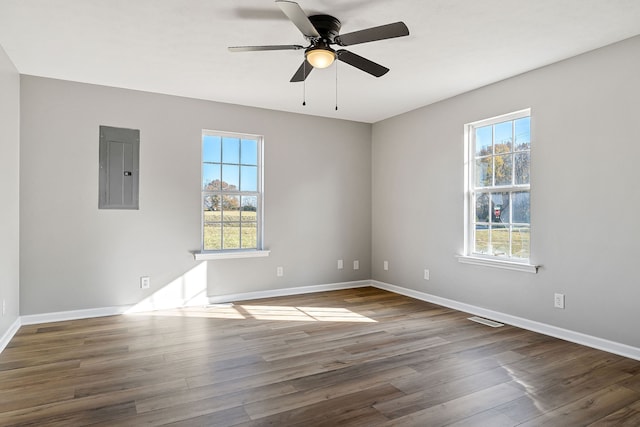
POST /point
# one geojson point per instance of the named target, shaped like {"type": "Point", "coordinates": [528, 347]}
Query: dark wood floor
{"type": "Point", "coordinates": [361, 357]}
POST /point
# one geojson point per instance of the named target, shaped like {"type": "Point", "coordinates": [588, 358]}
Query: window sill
{"type": "Point", "coordinates": [498, 263]}
{"type": "Point", "coordinates": [207, 256]}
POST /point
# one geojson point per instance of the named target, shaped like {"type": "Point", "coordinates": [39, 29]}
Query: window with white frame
{"type": "Point", "coordinates": [498, 223]}
{"type": "Point", "coordinates": [231, 192]}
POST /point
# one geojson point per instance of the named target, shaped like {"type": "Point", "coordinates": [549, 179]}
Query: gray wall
{"type": "Point", "coordinates": [388, 192]}
{"type": "Point", "coordinates": [9, 191]}
{"type": "Point", "coordinates": [74, 256]}
{"type": "Point", "coordinates": [585, 200]}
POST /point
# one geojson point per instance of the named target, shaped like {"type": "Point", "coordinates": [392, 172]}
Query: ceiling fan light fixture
{"type": "Point", "coordinates": [320, 57]}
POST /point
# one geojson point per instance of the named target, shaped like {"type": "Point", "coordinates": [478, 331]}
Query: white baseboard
{"type": "Point", "coordinates": [543, 328]}
{"type": "Point", "coordinates": [218, 299]}
{"type": "Point", "coordinates": [6, 337]}
{"type": "Point", "coordinates": [554, 331]}
{"type": "Point", "coordinates": [60, 316]}
{"type": "Point", "coordinates": [33, 319]}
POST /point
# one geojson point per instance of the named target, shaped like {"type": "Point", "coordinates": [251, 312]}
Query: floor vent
{"type": "Point", "coordinates": [485, 322]}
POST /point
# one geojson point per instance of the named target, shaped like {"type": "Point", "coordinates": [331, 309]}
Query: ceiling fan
{"type": "Point", "coordinates": [323, 31]}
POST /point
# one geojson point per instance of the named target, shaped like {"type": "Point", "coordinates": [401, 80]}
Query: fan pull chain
{"type": "Point", "coordinates": [304, 83]}
{"type": "Point", "coordinates": [336, 85]}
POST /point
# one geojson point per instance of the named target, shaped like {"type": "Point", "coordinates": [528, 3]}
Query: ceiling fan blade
{"type": "Point", "coordinates": [361, 63]}
{"type": "Point", "coordinates": [259, 48]}
{"type": "Point", "coordinates": [296, 15]}
{"type": "Point", "coordinates": [268, 14]}
{"type": "Point", "coordinates": [389, 31]}
{"type": "Point", "coordinates": [302, 72]}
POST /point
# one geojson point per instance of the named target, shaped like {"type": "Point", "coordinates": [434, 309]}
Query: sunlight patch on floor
{"type": "Point", "coordinates": [302, 314]}
{"type": "Point", "coordinates": [265, 312]}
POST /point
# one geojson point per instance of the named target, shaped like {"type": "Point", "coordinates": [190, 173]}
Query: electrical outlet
{"type": "Point", "coordinates": [356, 265]}
{"type": "Point", "coordinates": [426, 274]}
{"type": "Point", "coordinates": [385, 265]}
{"type": "Point", "coordinates": [280, 271]}
{"type": "Point", "coordinates": [340, 264]}
{"type": "Point", "coordinates": [558, 300]}
{"type": "Point", "coordinates": [145, 282]}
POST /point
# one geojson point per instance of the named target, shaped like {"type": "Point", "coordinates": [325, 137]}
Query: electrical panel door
{"type": "Point", "coordinates": [119, 169]}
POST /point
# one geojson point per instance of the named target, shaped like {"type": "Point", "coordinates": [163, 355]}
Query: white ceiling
{"type": "Point", "coordinates": [179, 47]}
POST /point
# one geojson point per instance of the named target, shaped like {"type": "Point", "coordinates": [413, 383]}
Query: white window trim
{"type": "Point", "coordinates": [498, 263]}
{"type": "Point", "coordinates": [475, 259]}
{"type": "Point", "coordinates": [210, 256]}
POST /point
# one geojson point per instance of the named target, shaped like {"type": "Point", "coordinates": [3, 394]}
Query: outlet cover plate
{"type": "Point", "coordinates": [145, 282]}
{"type": "Point", "coordinates": [558, 300]}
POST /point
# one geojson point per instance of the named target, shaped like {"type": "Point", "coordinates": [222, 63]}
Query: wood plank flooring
{"type": "Point", "coordinates": [361, 357]}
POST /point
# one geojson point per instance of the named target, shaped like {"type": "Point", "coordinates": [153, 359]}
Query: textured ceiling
{"type": "Point", "coordinates": [179, 47]}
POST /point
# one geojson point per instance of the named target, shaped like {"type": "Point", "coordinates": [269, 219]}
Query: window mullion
{"type": "Point", "coordinates": [493, 156]}
{"type": "Point", "coordinates": [513, 153]}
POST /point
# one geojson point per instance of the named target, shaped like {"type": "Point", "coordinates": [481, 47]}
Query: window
{"type": "Point", "coordinates": [231, 192]}
{"type": "Point", "coordinates": [498, 223]}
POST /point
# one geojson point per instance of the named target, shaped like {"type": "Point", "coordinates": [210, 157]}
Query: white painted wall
{"type": "Point", "coordinates": [9, 191]}
{"type": "Point", "coordinates": [74, 256]}
{"type": "Point", "coordinates": [585, 200]}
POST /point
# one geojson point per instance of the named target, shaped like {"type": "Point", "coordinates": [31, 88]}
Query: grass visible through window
{"type": "Point", "coordinates": [500, 241]}
{"type": "Point", "coordinates": [233, 230]}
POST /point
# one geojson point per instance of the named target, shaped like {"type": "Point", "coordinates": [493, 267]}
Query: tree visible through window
{"type": "Point", "coordinates": [499, 152]}
{"type": "Point", "coordinates": [231, 191]}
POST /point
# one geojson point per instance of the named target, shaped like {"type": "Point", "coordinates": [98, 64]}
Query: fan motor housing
{"type": "Point", "coordinates": [327, 26]}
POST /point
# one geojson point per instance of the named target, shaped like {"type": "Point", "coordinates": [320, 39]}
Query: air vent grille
{"type": "Point", "coordinates": [486, 322]}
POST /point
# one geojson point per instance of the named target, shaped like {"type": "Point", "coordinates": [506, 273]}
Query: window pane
{"type": "Point", "coordinates": [481, 244]}
{"type": "Point", "coordinates": [248, 216]}
{"type": "Point", "coordinates": [522, 167]}
{"type": "Point", "coordinates": [231, 150]}
{"type": "Point", "coordinates": [211, 204]}
{"type": "Point", "coordinates": [484, 141]}
{"type": "Point", "coordinates": [211, 148]}
{"type": "Point", "coordinates": [249, 152]}
{"type": "Point", "coordinates": [520, 237]}
{"type": "Point", "coordinates": [231, 235]}
{"type": "Point", "coordinates": [231, 208]}
{"type": "Point", "coordinates": [212, 237]}
{"type": "Point", "coordinates": [500, 240]}
{"type": "Point", "coordinates": [230, 177]}
{"type": "Point", "coordinates": [520, 202]}
{"type": "Point", "coordinates": [249, 235]}
{"type": "Point", "coordinates": [523, 133]}
{"type": "Point", "coordinates": [210, 177]}
{"type": "Point", "coordinates": [482, 207]}
{"type": "Point", "coordinates": [502, 148]}
{"type": "Point", "coordinates": [249, 208]}
{"type": "Point", "coordinates": [503, 137]}
{"type": "Point", "coordinates": [249, 178]}
{"type": "Point", "coordinates": [484, 172]}
{"type": "Point", "coordinates": [503, 166]}
{"type": "Point", "coordinates": [500, 207]}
